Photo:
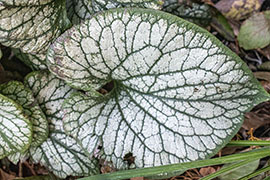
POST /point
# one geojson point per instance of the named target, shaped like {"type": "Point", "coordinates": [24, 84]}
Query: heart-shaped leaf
{"type": "Point", "coordinates": [24, 96]}
{"type": "Point", "coordinates": [15, 128]}
{"type": "Point", "coordinates": [60, 153]}
{"type": "Point", "coordinates": [179, 94]}
{"type": "Point", "coordinates": [31, 25]}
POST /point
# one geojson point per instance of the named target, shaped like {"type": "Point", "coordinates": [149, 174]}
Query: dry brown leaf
{"type": "Point", "coordinates": [253, 120]}
{"type": "Point", "coordinates": [238, 9]}
{"type": "Point", "coordinates": [229, 150]}
{"type": "Point", "coordinates": [262, 75]}
{"type": "Point", "coordinates": [207, 170]}
{"type": "Point", "coordinates": [265, 52]}
{"type": "Point", "coordinates": [258, 117]}
{"type": "Point", "coordinates": [266, 85]}
{"type": "Point", "coordinates": [137, 178]}
{"type": "Point", "coordinates": [6, 176]}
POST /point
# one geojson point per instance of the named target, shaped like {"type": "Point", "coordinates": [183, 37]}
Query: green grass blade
{"type": "Point", "coordinates": [228, 169]}
{"type": "Point", "coordinates": [144, 172]}
{"type": "Point", "coordinates": [248, 143]}
{"type": "Point", "coordinates": [265, 169]}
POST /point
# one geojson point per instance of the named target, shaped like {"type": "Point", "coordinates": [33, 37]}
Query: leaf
{"type": "Point", "coordinates": [46, 177]}
{"type": "Point", "coordinates": [223, 27]}
{"type": "Point", "coordinates": [15, 158]}
{"type": "Point", "coordinates": [34, 61]}
{"type": "Point", "coordinates": [79, 10]}
{"type": "Point", "coordinates": [60, 153]}
{"type": "Point", "coordinates": [193, 12]}
{"type": "Point", "coordinates": [255, 31]}
{"type": "Point", "coordinates": [32, 25]}
{"type": "Point", "coordinates": [179, 94]}
{"type": "Point", "coordinates": [238, 9]}
{"type": "Point", "coordinates": [265, 66]}
{"type": "Point", "coordinates": [15, 128]}
{"type": "Point", "coordinates": [240, 171]}
{"type": "Point", "coordinates": [105, 5]}
{"type": "Point", "coordinates": [19, 93]}
{"type": "Point", "coordinates": [6, 176]}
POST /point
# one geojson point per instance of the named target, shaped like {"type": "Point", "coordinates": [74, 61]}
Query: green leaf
{"type": "Point", "coordinates": [24, 96]}
{"type": "Point", "coordinates": [220, 23]}
{"type": "Point", "coordinates": [179, 94]}
{"type": "Point", "coordinates": [32, 25]}
{"type": "Point", "coordinates": [240, 171]}
{"type": "Point", "coordinates": [255, 31]}
{"type": "Point", "coordinates": [60, 153]}
{"type": "Point", "coordinates": [15, 128]}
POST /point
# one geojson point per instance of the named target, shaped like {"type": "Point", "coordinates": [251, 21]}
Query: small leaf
{"type": "Point", "coordinates": [179, 94]}
{"type": "Point", "coordinates": [15, 128]}
{"type": "Point", "coordinates": [24, 96]}
{"type": "Point", "coordinates": [265, 66]}
{"type": "Point", "coordinates": [255, 31]}
{"type": "Point", "coordinates": [240, 171]}
{"type": "Point", "coordinates": [238, 9]}
{"type": "Point", "coordinates": [60, 153]}
{"type": "Point", "coordinates": [32, 25]}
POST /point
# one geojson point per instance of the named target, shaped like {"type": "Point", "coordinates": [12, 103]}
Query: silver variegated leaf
{"type": "Point", "coordinates": [100, 5]}
{"type": "Point", "coordinates": [34, 61]}
{"type": "Point", "coordinates": [179, 94]}
{"type": "Point", "coordinates": [22, 95]}
{"type": "Point", "coordinates": [15, 158]}
{"type": "Point", "coordinates": [15, 128]}
{"type": "Point", "coordinates": [31, 25]}
{"type": "Point", "coordinates": [193, 12]}
{"type": "Point", "coordinates": [60, 153]}
{"type": "Point", "coordinates": [79, 10]}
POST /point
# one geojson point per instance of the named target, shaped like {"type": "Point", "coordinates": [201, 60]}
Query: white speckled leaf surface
{"type": "Point", "coordinates": [79, 10]}
{"type": "Point", "coordinates": [31, 25]}
{"type": "Point", "coordinates": [24, 96]}
{"type": "Point", "coordinates": [179, 94]}
{"type": "Point", "coordinates": [60, 153]}
{"type": "Point", "coordinates": [15, 128]}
